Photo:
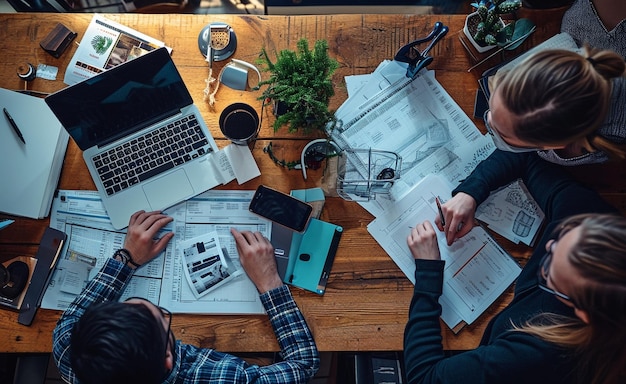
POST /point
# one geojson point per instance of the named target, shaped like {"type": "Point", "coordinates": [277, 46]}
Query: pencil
{"type": "Point", "coordinates": [443, 221]}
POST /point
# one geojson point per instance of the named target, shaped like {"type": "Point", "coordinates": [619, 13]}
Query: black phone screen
{"type": "Point", "coordinates": [281, 208]}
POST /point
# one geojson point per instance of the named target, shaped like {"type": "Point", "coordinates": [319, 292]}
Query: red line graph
{"type": "Point", "coordinates": [470, 259]}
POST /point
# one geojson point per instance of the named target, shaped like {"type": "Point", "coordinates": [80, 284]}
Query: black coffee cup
{"type": "Point", "coordinates": [239, 123]}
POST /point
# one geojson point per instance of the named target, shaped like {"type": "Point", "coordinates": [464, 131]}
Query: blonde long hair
{"type": "Point", "coordinates": [559, 96]}
{"type": "Point", "coordinates": [599, 256]}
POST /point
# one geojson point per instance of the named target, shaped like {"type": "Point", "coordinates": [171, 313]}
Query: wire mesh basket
{"type": "Point", "coordinates": [364, 173]}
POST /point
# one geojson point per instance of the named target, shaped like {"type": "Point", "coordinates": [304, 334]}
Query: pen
{"type": "Point", "coordinates": [443, 221]}
{"type": "Point", "coordinates": [12, 122]}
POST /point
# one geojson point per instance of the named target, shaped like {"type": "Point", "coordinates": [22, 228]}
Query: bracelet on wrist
{"type": "Point", "coordinates": [124, 256]}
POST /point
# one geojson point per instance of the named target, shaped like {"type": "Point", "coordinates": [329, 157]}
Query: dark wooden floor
{"type": "Point", "coordinates": [40, 368]}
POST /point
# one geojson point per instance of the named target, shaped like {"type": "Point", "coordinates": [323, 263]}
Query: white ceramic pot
{"type": "Point", "coordinates": [478, 47]}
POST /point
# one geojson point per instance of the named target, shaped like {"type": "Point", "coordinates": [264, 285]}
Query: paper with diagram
{"type": "Point", "coordinates": [419, 120]}
{"type": "Point", "coordinates": [92, 240]}
{"type": "Point", "coordinates": [477, 269]}
{"type": "Point", "coordinates": [416, 119]}
{"type": "Point", "coordinates": [512, 212]}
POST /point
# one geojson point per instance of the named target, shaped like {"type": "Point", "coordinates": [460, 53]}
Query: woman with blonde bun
{"type": "Point", "coordinates": [569, 107]}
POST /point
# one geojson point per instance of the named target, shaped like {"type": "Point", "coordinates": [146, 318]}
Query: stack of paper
{"type": "Point", "coordinates": [417, 119]}
{"type": "Point", "coordinates": [29, 170]}
{"type": "Point", "coordinates": [163, 280]}
{"type": "Point", "coordinates": [477, 269]}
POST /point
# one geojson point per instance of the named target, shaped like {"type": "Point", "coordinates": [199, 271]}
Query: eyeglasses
{"type": "Point", "coordinates": [499, 141]}
{"type": "Point", "coordinates": [543, 275]}
{"type": "Point", "coordinates": [167, 315]}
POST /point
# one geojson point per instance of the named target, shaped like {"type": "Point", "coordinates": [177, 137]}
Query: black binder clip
{"type": "Point", "coordinates": [416, 59]}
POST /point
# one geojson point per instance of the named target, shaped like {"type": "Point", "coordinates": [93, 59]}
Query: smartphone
{"type": "Point", "coordinates": [481, 104]}
{"type": "Point", "coordinates": [281, 208]}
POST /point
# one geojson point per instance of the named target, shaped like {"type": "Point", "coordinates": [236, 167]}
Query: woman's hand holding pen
{"type": "Point", "coordinates": [422, 242]}
{"type": "Point", "coordinates": [458, 216]}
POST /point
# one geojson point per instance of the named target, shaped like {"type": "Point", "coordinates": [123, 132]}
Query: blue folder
{"type": "Point", "coordinates": [305, 259]}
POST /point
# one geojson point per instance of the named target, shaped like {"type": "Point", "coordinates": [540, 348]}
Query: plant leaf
{"type": "Point", "coordinates": [523, 29]}
{"type": "Point", "coordinates": [503, 37]}
{"type": "Point", "coordinates": [302, 79]}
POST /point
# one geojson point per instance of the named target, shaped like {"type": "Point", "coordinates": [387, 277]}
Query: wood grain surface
{"type": "Point", "coordinates": [367, 298]}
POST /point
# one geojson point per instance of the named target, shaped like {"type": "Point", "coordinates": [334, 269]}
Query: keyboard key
{"type": "Point", "coordinates": [151, 154]}
{"type": "Point", "coordinates": [156, 171]}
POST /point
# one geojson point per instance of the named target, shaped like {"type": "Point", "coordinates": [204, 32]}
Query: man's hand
{"type": "Point", "coordinates": [459, 214]}
{"type": "Point", "coordinates": [256, 254]}
{"type": "Point", "coordinates": [142, 229]}
{"type": "Point", "coordinates": [422, 242]}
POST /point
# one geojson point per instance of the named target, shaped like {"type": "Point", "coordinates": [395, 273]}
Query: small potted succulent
{"type": "Point", "coordinates": [300, 86]}
{"type": "Point", "coordinates": [485, 28]}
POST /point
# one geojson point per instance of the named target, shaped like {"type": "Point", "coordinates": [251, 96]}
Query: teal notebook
{"type": "Point", "coordinates": [311, 256]}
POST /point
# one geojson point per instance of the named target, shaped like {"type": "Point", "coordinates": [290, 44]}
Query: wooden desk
{"type": "Point", "coordinates": [365, 305]}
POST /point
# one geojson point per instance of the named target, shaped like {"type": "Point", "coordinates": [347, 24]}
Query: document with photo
{"type": "Point", "coordinates": [205, 266]}
{"type": "Point", "coordinates": [81, 215]}
{"type": "Point", "coordinates": [104, 45]}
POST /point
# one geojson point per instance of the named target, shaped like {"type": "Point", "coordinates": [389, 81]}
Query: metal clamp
{"type": "Point", "coordinates": [416, 59]}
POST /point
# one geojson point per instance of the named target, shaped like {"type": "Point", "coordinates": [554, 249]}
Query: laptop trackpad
{"type": "Point", "coordinates": [169, 190]}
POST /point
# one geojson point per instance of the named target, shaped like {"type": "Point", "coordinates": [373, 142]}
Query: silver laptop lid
{"type": "Point", "coordinates": [121, 100]}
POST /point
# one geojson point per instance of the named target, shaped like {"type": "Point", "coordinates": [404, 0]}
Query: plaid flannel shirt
{"type": "Point", "coordinates": [192, 364]}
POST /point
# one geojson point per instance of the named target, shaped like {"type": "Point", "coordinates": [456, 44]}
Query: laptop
{"type": "Point", "coordinates": [144, 141]}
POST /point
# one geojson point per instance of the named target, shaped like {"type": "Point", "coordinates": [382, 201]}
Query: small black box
{"type": "Point", "coordinates": [57, 40]}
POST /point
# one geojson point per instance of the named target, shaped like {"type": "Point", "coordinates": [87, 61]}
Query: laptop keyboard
{"type": "Point", "coordinates": [151, 154]}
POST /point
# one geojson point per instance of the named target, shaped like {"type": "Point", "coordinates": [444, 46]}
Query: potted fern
{"type": "Point", "coordinates": [485, 28]}
{"type": "Point", "coordinates": [300, 86]}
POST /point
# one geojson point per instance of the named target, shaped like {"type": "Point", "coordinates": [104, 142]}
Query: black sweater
{"type": "Point", "coordinates": [503, 356]}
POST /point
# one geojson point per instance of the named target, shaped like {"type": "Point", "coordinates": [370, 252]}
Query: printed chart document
{"type": "Point", "coordinates": [477, 269]}
{"type": "Point", "coordinates": [104, 45]}
{"type": "Point", "coordinates": [92, 240]}
{"type": "Point", "coordinates": [213, 211]}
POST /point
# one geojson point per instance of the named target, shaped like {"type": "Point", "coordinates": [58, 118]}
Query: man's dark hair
{"type": "Point", "coordinates": [118, 343]}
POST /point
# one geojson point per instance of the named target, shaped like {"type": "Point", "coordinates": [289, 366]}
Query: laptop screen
{"type": "Point", "coordinates": [121, 100]}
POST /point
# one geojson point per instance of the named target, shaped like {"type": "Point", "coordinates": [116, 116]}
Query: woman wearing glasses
{"type": "Point", "coordinates": [565, 323]}
{"type": "Point", "coordinates": [569, 107]}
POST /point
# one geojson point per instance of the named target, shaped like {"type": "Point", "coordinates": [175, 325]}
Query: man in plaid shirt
{"type": "Point", "coordinates": [101, 340]}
